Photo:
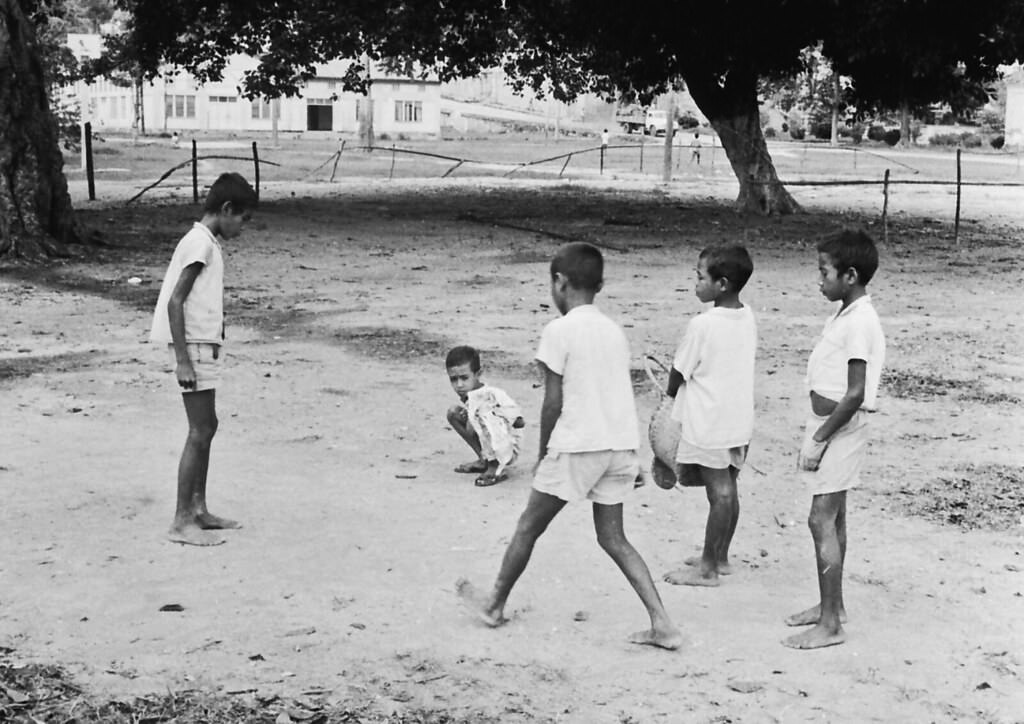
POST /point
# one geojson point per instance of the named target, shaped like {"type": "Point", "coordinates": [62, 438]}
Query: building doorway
{"type": "Point", "coordinates": [319, 117]}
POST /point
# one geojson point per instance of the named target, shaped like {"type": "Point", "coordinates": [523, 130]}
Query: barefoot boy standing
{"type": "Point", "coordinates": [712, 379]}
{"type": "Point", "coordinates": [588, 441]}
{"type": "Point", "coordinates": [189, 318]}
{"type": "Point", "coordinates": [843, 375]}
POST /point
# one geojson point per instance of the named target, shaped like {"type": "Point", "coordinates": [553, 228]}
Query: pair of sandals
{"type": "Point", "coordinates": [485, 479]}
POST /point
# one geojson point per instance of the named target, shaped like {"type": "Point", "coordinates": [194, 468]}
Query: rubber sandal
{"type": "Point", "coordinates": [487, 480]}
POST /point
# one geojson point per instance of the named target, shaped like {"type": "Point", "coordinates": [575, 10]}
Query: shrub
{"type": "Point", "coordinates": [688, 120]}
{"type": "Point", "coordinates": [822, 130]}
{"type": "Point", "coordinates": [876, 133]}
{"type": "Point", "coordinates": [966, 139]}
{"type": "Point", "coordinates": [971, 140]}
{"type": "Point", "coordinates": [944, 139]}
{"type": "Point", "coordinates": [383, 137]}
{"type": "Point", "coordinates": [998, 142]}
{"type": "Point", "coordinates": [857, 132]}
{"type": "Point", "coordinates": [770, 132]}
{"type": "Point", "coordinates": [797, 133]}
{"type": "Point", "coordinates": [892, 137]}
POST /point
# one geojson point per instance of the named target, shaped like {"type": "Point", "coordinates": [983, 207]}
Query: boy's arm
{"type": "Point", "coordinates": [675, 381]}
{"type": "Point", "coordinates": [550, 409]}
{"type": "Point", "coordinates": [842, 413]}
{"type": "Point", "coordinates": [176, 315]}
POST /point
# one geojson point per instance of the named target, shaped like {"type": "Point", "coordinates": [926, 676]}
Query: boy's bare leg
{"type": "Point", "coordinates": [724, 567]}
{"type": "Point", "coordinates": [200, 408]}
{"type": "Point", "coordinates": [541, 509]}
{"type": "Point", "coordinates": [722, 514]}
{"type": "Point", "coordinates": [612, 538]}
{"type": "Point", "coordinates": [459, 420]}
{"type": "Point", "coordinates": [824, 522]}
{"type": "Point", "coordinates": [813, 614]}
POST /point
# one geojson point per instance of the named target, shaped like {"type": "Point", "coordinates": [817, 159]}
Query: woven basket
{"type": "Point", "coordinates": [663, 432]}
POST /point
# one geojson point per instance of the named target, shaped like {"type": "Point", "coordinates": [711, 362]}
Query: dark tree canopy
{"type": "Point", "coordinates": [898, 52]}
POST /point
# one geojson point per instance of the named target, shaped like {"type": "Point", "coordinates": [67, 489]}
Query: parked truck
{"type": "Point", "coordinates": [645, 120]}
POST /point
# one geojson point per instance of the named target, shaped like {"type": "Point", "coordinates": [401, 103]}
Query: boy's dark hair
{"type": "Point", "coordinates": [851, 248]}
{"type": "Point", "coordinates": [463, 354]}
{"type": "Point", "coordinates": [729, 261]}
{"type": "Point", "coordinates": [233, 188]}
{"type": "Point", "coordinates": [582, 264]}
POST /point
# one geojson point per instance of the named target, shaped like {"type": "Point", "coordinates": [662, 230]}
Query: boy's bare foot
{"type": "Point", "coordinates": [691, 578]}
{"type": "Point", "coordinates": [477, 466]}
{"type": "Point", "coordinates": [810, 616]}
{"type": "Point", "coordinates": [815, 638]}
{"type": "Point", "coordinates": [209, 521]}
{"type": "Point", "coordinates": [193, 535]}
{"type": "Point", "coordinates": [724, 569]}
{"type": "Point", "coordinates": [478, 604]}
{"type": "Point", "coordinates": [670, 640]}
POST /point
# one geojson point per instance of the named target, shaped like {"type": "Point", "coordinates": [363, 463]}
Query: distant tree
{"type": "Point", "coordinates": [905, 56]}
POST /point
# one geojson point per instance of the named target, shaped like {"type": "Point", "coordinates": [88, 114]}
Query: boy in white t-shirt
{"type": "Point", "coordinates": [712, 380]}
{"type": "Point", "coordinates": [189, 319]}
{"type": "Point", "coordinates": [588, 441]}
{"type": "Point", "coordinates": [843, 375]}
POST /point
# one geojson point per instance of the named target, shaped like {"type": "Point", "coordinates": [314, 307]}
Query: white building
{"type": "Point", "coordinates": [177, 102]}
{"type": "Point", "coordinates": [1014, 129]}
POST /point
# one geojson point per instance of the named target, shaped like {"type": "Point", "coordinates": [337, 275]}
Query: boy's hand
{"type": "Point", "coordinates": [186, 375]}
{"type": "Point", "coordinates": [810, 455]}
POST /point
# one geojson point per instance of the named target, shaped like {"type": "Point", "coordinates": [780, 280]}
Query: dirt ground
{"type": "Point", "coordinates": [334, 452]}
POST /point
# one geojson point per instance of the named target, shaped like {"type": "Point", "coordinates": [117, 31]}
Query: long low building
{"type": "Point", "coordinates": [177, 102]}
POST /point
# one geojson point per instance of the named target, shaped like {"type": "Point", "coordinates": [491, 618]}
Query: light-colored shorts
{"type": "Point", "coordinates": [207, 360]}
{"type": "Point", "coordinates": [602, 476]}
{"type": "Point", "coordinates": [718, 458]}
{"type": "Point", "coordinates": [840, 466]}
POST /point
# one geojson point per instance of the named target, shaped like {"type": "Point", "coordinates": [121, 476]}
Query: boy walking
{"type": "Point", "coordinates": [712, 381]}
{"type": "Point", "coordinates": [588, 441]}
{"type": "Point", "coordinates": [486, 418]}
{"type": "Point", "coordinates": [843, 374]}
{"type": "Point", "coordinates": [189, 318]}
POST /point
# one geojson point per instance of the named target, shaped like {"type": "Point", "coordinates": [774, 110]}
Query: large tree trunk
{"type": "Point", "coordinates": [731, 107]}
{"type": "Point", "coordinates": [36, 217]}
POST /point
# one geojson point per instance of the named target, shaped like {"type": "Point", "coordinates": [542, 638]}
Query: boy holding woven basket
{"type": "Point", "coordinates": [712, 381]}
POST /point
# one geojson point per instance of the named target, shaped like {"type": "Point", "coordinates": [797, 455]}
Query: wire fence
{"type": "Point", "coordinates": [797, 165]}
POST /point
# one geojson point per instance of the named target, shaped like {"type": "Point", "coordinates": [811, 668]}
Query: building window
{"type": "Point", "coordinates": [409, 111]}
{"type": "Point", "coordinates": [260, 108]}
{"type": "Point", "coordinates": [222, 99]}
{"type": "Point", "coordinates": [180, 106]}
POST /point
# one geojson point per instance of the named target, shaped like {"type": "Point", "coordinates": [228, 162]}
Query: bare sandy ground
{"type": "Point", "coordinates": [334, 452]}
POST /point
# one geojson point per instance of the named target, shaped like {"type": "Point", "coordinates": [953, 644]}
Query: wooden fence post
{"type": "Point", "coordinates": [956, 221]}
{"type": "Point", "coordinates": [90, 176]}
{"type": "Point", "coordinates": [391, 173]}
{"type": "Point", "coordinates": [337, 158]}
{"type": "Point", "coordinates": [195, 174]}
{"type": "Point", "coordinates": [885, 208]}
{"type": "Point", "coordinates": [641, 151]}
{"type": "Point", "coordinates": [256, 169]}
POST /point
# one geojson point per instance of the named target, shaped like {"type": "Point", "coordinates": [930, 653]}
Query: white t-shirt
{"type": "Point", "coordinates": [854, 333]}
{"type": "Point", "coordinates": [716, 359]}
{"type": "Point", "coordinates": [591, 353]}
{"type": "Point", "coordinates": [204, 307]}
